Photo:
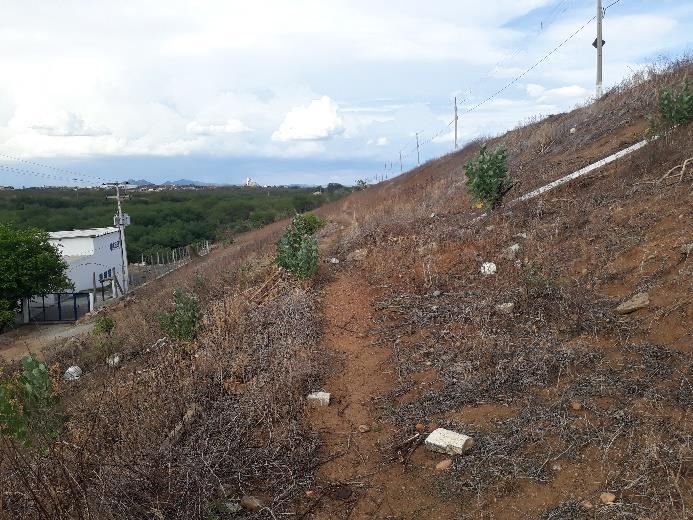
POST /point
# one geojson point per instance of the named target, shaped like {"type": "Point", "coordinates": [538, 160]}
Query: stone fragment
{"type": "Point", "coordinates": [522, 235]}
{"type": "Point", "coordinates": [319, 398]}
{"type": "Point", "coordinates": [436, 293]}
{"type": "Point", "coordinates": [687, 249]}
{"type": "Point", "coordinates": [576, 405]}
{"type": "Point", "coordinates": [573, 131]}
{"type": "Point", "coordinates": [506, 307]}
{"type": "Point", "coordinates": [488, 268]}
{"type": "Point", "coordinates": [444, 465]}
{"type": "Point", "coordinates": [251, 503]}
{"type": "Point", "coordinates": [113, 360]}
{"type": "Point", "coordinates": [73, 373]}
{"type": "Point", "coordinates": [311, 493]}
{"type": "Point", "coordinates": [586, 504]}
{"type": "Point", "coordinates": [334, 260]}
{"type": "Point", "coordinates": [447, 441]}
{"type": "Point", "coordinates": [420, 427]}
{"type": "Point", "coordinates": [364, 428]}
{"type": "Point", "coordinates": [511, 252]}
{"type": "Point", "coordinates": [639, 301]}
{"type": "Point", "coordinates": [607, 498]}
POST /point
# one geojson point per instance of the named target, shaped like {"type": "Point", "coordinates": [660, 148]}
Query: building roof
{"type": "Point", "coordinates": [82, 233]}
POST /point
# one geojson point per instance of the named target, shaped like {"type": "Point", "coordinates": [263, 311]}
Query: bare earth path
{"type": "Point", "coordinates": [34, 338]}
{"type": "Point", "coordinates": [361, 479]}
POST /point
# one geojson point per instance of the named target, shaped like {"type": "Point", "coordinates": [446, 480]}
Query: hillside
{"type": "Point", "coordinates": [567, 400]}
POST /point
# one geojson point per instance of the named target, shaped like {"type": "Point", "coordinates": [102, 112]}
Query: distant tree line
{"type": "Point", "coordinates": [166, 219]}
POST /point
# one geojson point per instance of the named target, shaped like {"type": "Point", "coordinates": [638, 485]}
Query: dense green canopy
{"type": "Point", "coordinates": [29, 266]}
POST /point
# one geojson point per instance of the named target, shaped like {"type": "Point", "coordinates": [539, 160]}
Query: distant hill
{"type": "Point", "coordinates": [186, 182]}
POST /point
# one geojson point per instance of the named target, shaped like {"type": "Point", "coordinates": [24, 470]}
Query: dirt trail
{"type": "Point", "coordinates": [361, 479]}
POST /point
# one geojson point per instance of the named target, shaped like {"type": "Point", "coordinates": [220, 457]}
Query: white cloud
{"type": "Point", "coordinates": [567, 94]}
{"type": "Point", "coordinates": [232, 126]}
{"type": "Point", "coordinates": [318, 120]}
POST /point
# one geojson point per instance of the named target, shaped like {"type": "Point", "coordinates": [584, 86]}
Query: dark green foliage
{"type": "Point", "coordinates": [29, 266]}
{"type": "Point", "coordinates": [181, 323]}
{"type": "Point", "coordinates": [313, 222]}
{"type": "Point", "coordinates": [297, 249]}
{"type": "Point", "coordinates": [28, 406]}
{"type": "Point", "coordinates": [162, 220]}
{"type": "Point", "coordinates": [487, 175]}
{"type": "Point", "coordinates": [675, 108]}
{"type": "Point", "coordinates": [104, 325]}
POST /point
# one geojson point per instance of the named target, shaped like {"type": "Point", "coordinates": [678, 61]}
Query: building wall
{"type": "Point", "coordinates": [104, 255]}
{"type": "Point", "coordinates": [76, 246]}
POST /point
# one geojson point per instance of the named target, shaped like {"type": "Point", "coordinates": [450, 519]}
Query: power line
{"type": "Point", "coordinates": [75, 175]}
{"type": "Point", "coordinates": [22, 171]}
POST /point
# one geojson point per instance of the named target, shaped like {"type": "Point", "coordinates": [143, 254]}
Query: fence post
{"type": "Point", "coordinates": [26, 313]}
{"type": "Point", "coordinates": [60, 309]}
{"type": "Point", "coordinates": [74, 305]}
{"type": "Point", "coordinates": [92, 301]}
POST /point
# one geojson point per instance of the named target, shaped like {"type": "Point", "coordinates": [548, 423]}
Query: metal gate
{"type": "Point", "coordinates": [59, 307]}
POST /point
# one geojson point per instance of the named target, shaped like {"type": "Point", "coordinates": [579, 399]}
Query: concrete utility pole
{"type": "Point", "coordinates": [418, 159]}
{"type": "Point", "coordinates": [600, 44]}
{"type": "Point", "coordinates": [121, 229]}
{"type": "Point", "coordinates": [455, 122]}
{"type": "Point", "coordinates": [400, 161]}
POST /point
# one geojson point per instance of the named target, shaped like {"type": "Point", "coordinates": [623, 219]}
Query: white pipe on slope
{"type": "Point", "coordinates": [580, 173]}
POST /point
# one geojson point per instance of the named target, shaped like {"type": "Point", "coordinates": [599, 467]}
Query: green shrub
{"type": "Point", "coordinates": [313, 222]}
{"type": "Point", "coordinates": [487, 175]}
{"type": "Point", "coordinates": [28, 406]}
{"type": "Point", "coordinates": [297, 249]}
{"type": "Point", "coordinates": [675, 108]}
{"type": "Point", "coordinates": [104, 325]}
{"type": "Point", "coordinates": [181, 323]}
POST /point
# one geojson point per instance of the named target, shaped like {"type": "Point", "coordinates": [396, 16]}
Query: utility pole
{"type": "Point", "coordinates": [418, 159]}
{"type": "Point", "coordinates": [455, 122]}
{"type": "Point", "coordinates": [600, 44]}
{"type": "Point", "coordinates": [121, 231]}
{"type": "Point", "coordinates": [400, 161]}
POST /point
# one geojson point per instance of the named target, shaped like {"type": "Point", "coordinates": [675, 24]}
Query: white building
{"type": "Point", "coordinates": [90, 253]}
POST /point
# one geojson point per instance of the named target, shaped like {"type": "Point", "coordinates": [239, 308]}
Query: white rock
{"type": "Point", "coordinates": [687, 249]}
{"type": "Point", "coordinates": [488, 268]}
{"type": "Point", "coordinates": [319, 398]}
{"type": "Point", "coordinates": [113, 360]}
{"type": "Point", "coordinates": [436, 293]}
{"type": "Point", "coordinates": [522, 235]}
{"type": "Point", "coordinates": [73, 373]}
{"type": "Point", "coordinates": [573, 130]}
{"type": "Point", "coordinates": [506, 307]}
{"type": "Point", "coordinates": [447, 441]}
{"type": "Point", "coordinates": [334, 260]}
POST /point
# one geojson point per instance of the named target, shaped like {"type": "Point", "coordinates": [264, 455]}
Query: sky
{"type": "Point", "coordinates": [296, 91]}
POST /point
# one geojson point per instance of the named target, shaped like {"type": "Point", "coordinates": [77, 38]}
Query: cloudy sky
{"type": "Point", "coordinates": [293, 91]}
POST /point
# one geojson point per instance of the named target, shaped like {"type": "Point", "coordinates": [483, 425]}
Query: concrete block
{"type": "Point", "coordinates": [319, 398]}
{"type": "Point", "coordinates": [447, 441]}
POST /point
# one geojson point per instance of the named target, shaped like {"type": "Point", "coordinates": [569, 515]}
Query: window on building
{"type": "Point", "coordinates": [110, 273]}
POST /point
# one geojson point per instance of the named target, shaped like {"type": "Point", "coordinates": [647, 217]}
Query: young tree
{"type": "Point", "coordinates": [29, 266]}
